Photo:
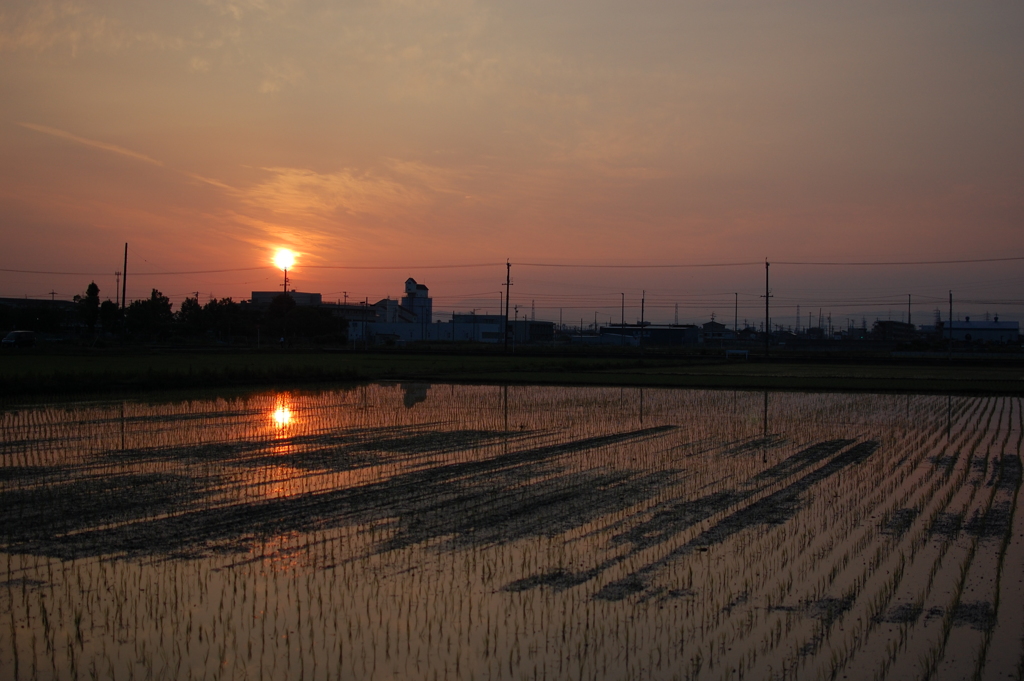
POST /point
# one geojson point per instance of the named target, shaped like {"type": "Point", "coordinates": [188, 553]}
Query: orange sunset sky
{"type": "Point", "coordinates": [411, 134]}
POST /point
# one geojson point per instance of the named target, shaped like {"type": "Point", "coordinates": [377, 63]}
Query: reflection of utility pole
{"type": "Point", "coordinates": [764, 438]}
{"type": "Point", "coordinates": [949, 416]}
{"type": "Point", "coordinates": [504, 404]}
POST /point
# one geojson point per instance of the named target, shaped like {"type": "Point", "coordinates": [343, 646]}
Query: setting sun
{"type": "Point", "coordinates": [284, 258]}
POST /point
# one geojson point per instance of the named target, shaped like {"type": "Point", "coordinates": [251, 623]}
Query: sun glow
{"type": "Point", "coordinates": [282, 416]}
{"type": "Point", "coordinates": [284, 258]}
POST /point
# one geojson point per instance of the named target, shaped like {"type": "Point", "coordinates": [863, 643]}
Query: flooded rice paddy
{"type": "Point", "coordinates": [481, 532]}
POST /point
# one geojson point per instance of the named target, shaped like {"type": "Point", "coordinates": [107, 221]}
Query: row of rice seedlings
{"type": "Point", "coordinates": [915, 537]}
{"type": "Point", "coordinates": [924, 568]}
{"type": "Point", "coordinates": [974, 611]}
{"type": "Point", "coordinates": [921, 639]}
{"type": "Point", "coordinates": [748, 584]}
{"type": "Point", "coordinates": [924, 557]}
{"type": "Point", "coordinates": [1007, 634]}
{"type": "Point", "coordinates": [847, 577]}
{"type": "Point", "coordinates": [876, 644]}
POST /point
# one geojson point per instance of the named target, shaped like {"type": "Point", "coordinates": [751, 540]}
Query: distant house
{"type": "Point", "coordinates": [716, 332]}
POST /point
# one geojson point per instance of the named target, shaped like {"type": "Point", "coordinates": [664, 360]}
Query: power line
{"type": "Point", "coordinates": [901, 263]}
{"type": "Point", "coordinates": [401, 267]}
{"type": "Point", "coordinates": [575, 265]}
{"type": "Point", "coordinates": [905, 262]}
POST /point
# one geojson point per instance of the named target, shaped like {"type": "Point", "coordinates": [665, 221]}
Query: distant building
{"type": "Point", "coordinates": [390, 312]}
{"type": "Point", "coordinates": [654, 334]}
{"type": "Point", "coordinates": [409, 321]}
{"type": "Point", "coordinates": [716, 332]}
{"type": "Point", "coordinates": [417, 300]}
{"type": "Point", "coordinates": [887, 330]}
{"type": "Point", "coordinates": [480, 328]}
{"type": "Point", "coordinates": [529, 331]}
{"type": "Point", "coordinates": [264, 298]}
{"type": "Point", "coordinates": [983, 331]}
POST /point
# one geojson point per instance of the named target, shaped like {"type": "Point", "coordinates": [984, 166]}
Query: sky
{"type": "Point", "coordinates": [416, 134]}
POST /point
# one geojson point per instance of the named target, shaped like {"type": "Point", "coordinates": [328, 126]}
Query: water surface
{"type": "Point", "coordinates": [416, 531]}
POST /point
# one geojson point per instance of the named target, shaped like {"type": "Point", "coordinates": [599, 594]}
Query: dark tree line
{"type": "Point", "coordinates": [154, 319]}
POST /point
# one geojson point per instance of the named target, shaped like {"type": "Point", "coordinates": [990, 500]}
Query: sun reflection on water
{"type": "Point", "coordinates": [282, 416]}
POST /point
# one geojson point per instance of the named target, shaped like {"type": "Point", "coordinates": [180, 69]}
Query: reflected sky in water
{"type": "Point", "coordinates": [490, 531]}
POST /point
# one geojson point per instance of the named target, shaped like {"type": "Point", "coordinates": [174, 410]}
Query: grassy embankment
{"type": "Point", "coordinates": [36, 373]}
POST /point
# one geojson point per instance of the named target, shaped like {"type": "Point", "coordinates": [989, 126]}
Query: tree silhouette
{"type": "Point", "coordinates": [110, 315]}
{"type": "Point", "coordinates": [89, 305]}
{"type": "Point", "coordinates": [150, 316]}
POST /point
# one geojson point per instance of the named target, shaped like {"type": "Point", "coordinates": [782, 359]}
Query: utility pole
{"type": "Point", "coordinates": [622, 336]}
{"type": "Point", "coordinates": [533, 310]}
{"type": "Point", "coordinates": [117, 289]}
{"type": "Point", "coordinates": [124, 280]}
{"type": "Point", "coordinates": [951, 325]}
{"type": "Point", "coordinates": [346, 297]}
{"type": "Point", "coordinates": [798, 319]}
{"type": "Point", "coordinates": [52, 294]}
{"type": "Point", "coordinates": [677, 314]}
{"type": "Point", "coordinates": [767, 319]}
{"type": "Point", "coordinates": [508, 294]}
{"type": "Point", "coordinates": [736, 315]}
{"type": "Point", "coordinates": [595, 321]}
{"type": "Point", "coordinates": [908, 309]}
{"type": "Point", "coordinates": [643, 298]}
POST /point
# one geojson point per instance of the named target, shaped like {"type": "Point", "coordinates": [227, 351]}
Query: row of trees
{"type": "Point", "coordinates": [154, 318]}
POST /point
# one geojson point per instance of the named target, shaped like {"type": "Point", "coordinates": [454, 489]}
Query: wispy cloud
{"type": "Point", "coordinates": [96, 144]}
{"type": "Point", "coordinates": [300, 191]}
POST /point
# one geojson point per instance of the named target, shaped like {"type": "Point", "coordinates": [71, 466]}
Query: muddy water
{"type": "Point", "coordinates": [479, 532]}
